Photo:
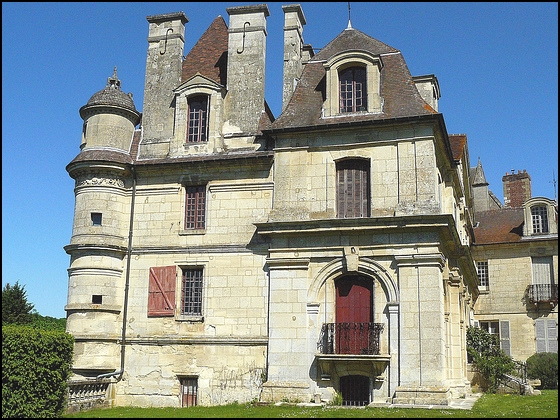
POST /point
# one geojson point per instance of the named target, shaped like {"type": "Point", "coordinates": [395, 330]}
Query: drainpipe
{"type": "Point", "coordinates": [127, 282]}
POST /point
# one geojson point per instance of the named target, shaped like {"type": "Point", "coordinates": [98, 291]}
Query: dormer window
{"type": "Point", "coordinates": [352, 84]}
{"type": "Point", "coordinates": [197, 124]}
{"type": "Point", "coordinates": [353, 89]}
{"type": "Point", "coordinates": [540, 219]}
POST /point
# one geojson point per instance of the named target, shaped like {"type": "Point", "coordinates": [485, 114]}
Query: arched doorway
{"type": "Point", "coordinates": [354, 313]}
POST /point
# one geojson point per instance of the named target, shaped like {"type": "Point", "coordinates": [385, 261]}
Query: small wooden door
{"type": "Point", "coordinates": [354, 310]}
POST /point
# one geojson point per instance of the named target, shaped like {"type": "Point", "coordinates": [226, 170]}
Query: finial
{"type": "Point", "coordinates": [114, 81]}
{"type": "Point", "coordinates": [349, 22]}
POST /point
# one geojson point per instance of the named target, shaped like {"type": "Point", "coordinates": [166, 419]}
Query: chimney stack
{"type": "Point", "coordinates": [517, 188]}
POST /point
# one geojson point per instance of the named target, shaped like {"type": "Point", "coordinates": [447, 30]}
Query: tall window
{"type": "Point", "coordinates": [540, 219]}
{"type": "Point", "coordinates": [353, 90]}
{"type": "Point", "coordinates": [195, 207]}
{"type": "Point", "coordinates": [482, 269]}
{"type": "Point", "coordinates": [352, 188]}
{"type": "Point", "coordinates": [501, 329]}
{"type": "Point", "coordinates": [198, 119]}
{"type": "Point", "coordinates": [191, 292]}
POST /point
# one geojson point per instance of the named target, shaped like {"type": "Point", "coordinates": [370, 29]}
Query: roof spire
{"type": "Point", "coordinates": [349, 22]}
{"type": "Point", "coordinates": [114, 82]}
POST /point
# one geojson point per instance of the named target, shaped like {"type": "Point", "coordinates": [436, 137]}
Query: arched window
{"type": "Point", "coordinates": [539, 218]}
{"type": "Point", "coordinates": [353, 89]}
{"type": "Point", "coordinates": [197, 126]}
{"type": "Point", "coordinates": [352, 188]}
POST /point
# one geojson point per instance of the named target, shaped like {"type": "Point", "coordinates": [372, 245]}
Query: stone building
{"type": "Point", "coordinates": [221, 254]}
{"type": "Point", "coordinates": [516, 252]}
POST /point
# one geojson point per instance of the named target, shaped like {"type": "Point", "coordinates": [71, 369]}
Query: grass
{"type": "Point", "coordinates": [487, 406]}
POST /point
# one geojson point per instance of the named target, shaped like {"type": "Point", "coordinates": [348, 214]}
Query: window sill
{"type": "Point", "coordinates": [190, 318]}
{"type": "Point", "coordinates": [185, 232]}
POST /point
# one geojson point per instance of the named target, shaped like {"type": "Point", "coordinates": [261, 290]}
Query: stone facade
{"type": "Point", "coordinates": [226, 265]}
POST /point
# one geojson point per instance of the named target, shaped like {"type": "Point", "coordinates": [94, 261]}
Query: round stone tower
{"type": "Point", "coordinates": [98, 247]}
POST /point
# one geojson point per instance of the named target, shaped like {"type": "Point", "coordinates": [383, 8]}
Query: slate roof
{"type": "Point", "coordinates": [401, 98]}
{"type": "Point", "coordinates": [503, 225]}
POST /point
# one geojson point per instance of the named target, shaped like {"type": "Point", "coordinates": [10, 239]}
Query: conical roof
{"type": "Point", "coordinates": [111, 96]}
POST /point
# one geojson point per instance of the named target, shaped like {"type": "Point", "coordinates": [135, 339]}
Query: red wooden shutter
{"type": "Point", "coordinates": [161, 293]}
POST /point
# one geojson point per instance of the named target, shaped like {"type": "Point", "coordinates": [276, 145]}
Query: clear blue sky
{"type": "Point", "coordinates": [497, 66]}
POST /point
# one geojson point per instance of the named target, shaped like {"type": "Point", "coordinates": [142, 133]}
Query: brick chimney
{"type": "Point", "coordinates": [517, 188]}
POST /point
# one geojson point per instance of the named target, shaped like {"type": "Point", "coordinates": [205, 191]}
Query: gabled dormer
{"type": "Point", "coordinates": [199, 104]}
{"type": "Point", "coordinates": [540, 217]}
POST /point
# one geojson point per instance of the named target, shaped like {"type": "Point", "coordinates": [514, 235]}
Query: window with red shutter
{"type": "Point", "coordinates": [352, 188]}
{"type": "Point", "coordinates": [161, 291]}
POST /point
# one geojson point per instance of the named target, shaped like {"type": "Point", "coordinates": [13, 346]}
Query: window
{"type": "Point", "coordinates": [352, 188]}
{"type": "Point", "coordinates": [543, 288]}
{"type": "Point", "coordinates": [501, 329]}
{"type": "Point", "coordinates": [96, 219]}
{"type": "Point", "coordinates": [189, 390]}
{"type": "Point", "coordinates": [161, 291]}
{"type": "Point", "coordinates": [195, 207]}
{"type": "Point", "coordinates": [540, 219]}
{"type": "Point", "coordinates": [197, 126]}
{"type": "Point", "coordinates": [97, 299]}
{"type": "Point", "coordinates": [546, 333]}
{"type": "Point", "coordinates": [353, 89]}
{"type": "Point", "coordinates": [482, 270]}
{"type": "Point", "coordinates": [191, 292]}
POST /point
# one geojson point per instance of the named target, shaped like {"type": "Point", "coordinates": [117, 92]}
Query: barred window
{"type": "Point", "coordinates": [539, 218]}
{"type": "Point", "coordinates": [197, 128]}
{"type": "Point", "coordinates": [195, 207]}
{"type": "Point", "coordinates": [482, 269]}
{"type": "Point", "coordinates": [353, 90]}
{"type": "Point", "coordinates": [191, 292]}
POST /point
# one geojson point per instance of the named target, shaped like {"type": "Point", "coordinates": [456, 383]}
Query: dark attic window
{"type": "Point", "coordinates": [97, 299]}
{"type": "Point", "coordinates": [96, 219]}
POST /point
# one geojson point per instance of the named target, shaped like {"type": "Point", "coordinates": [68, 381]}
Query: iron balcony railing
{"type": "Point", "coordinates": [350, 338]}
{"type": "Point", "coordinates": [543, 293]}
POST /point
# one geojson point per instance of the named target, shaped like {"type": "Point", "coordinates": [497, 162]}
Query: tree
{"type": "Point", "coordinates": [15, 307]}
{"type": "Point", "coordinates": [487, 356]}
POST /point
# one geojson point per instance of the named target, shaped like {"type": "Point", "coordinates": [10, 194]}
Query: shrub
{"type": "Point", "coordinates": [544, 366]}
{"type": "Point", "coordinates": [487, 356]}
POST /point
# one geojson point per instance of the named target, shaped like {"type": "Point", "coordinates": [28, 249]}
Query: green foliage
{"type": "Point", "coordinates": [15, 307]}
{"type": "Point", "coordinates": [36, 365]}
{"type": "Point", "coordinates": [47, 322]}
{"type": "Point", "coordinates": [487, 356]}
{"type": "Point", "coordinates": [337, 399]}
{"type": "Point", "coordinates": [544, 366]}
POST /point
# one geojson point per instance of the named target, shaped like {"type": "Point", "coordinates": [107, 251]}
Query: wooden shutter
{"type": "Point", "coordinates": [552, 335]}
{"type": "Point", "coordinates": [161, 294]}
{"type": "Point", "coordinates": [504, 337]}
{"type": "Point", "coordinates": [546, 335]}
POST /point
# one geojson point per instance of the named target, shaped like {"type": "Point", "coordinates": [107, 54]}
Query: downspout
{"type": "Point", "coordinates": [126, 285]}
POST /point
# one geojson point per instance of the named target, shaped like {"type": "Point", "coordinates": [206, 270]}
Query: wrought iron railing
{"type": "Point", "coordinates": [350, 338]}
{"type": "Point", "coordinates": [543, 293]}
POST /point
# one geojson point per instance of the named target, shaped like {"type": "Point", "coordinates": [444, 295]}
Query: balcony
{"type": "Point", "coordinates": [543, 293]}
{"type": "Point", "coordinates": [350, 346]}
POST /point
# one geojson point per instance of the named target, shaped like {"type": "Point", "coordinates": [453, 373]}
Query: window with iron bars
{"type": "Point", "coordinates": [195, 207]}
{"type": "Point", "coordinates": [191, 292]}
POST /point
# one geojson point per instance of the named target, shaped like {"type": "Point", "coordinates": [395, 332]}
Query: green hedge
{"type": "Point", "coordinates": [36, 365]}
{"type": "Point", "coordinates": [544, 366]}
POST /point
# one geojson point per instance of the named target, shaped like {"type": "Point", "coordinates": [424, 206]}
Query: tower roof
{"type": "Point", "coordinates": [112, 96]}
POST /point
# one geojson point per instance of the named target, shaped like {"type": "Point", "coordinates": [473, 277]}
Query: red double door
{"type": "Point", "coordinates": [354, 311]}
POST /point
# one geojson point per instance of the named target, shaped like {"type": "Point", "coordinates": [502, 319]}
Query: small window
{"type": "Point", "coordinates": [96, 219]}
{"type": "Point", "coordinates": [353, 90]}
{"type": "Point", "coordinates": [195, 207]}
{"type": "Point", "coordinates": [539, 218]}
{"type": "Point", "coordinates": [189, 391]}
{"type": "Point", "coordinates": [191, 292]}
{"type": "Point", "coordinates": [352, 188]}
{"type": "Point", "coordinates": [482, 269]}
{"type": "Point", "coordinates": [197, 126]}
{"type": "Point", "coordinates": [97, 299]}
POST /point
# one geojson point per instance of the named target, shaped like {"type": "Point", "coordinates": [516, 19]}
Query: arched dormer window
{"type": "Point", "coordinates": [197, 123]}
{"type": "Point", "coordinates": [352, 89]}
{"type": "Point", "coordinates": [540, 217]}
{"type": "Point", "coordinates": [353, 84]}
